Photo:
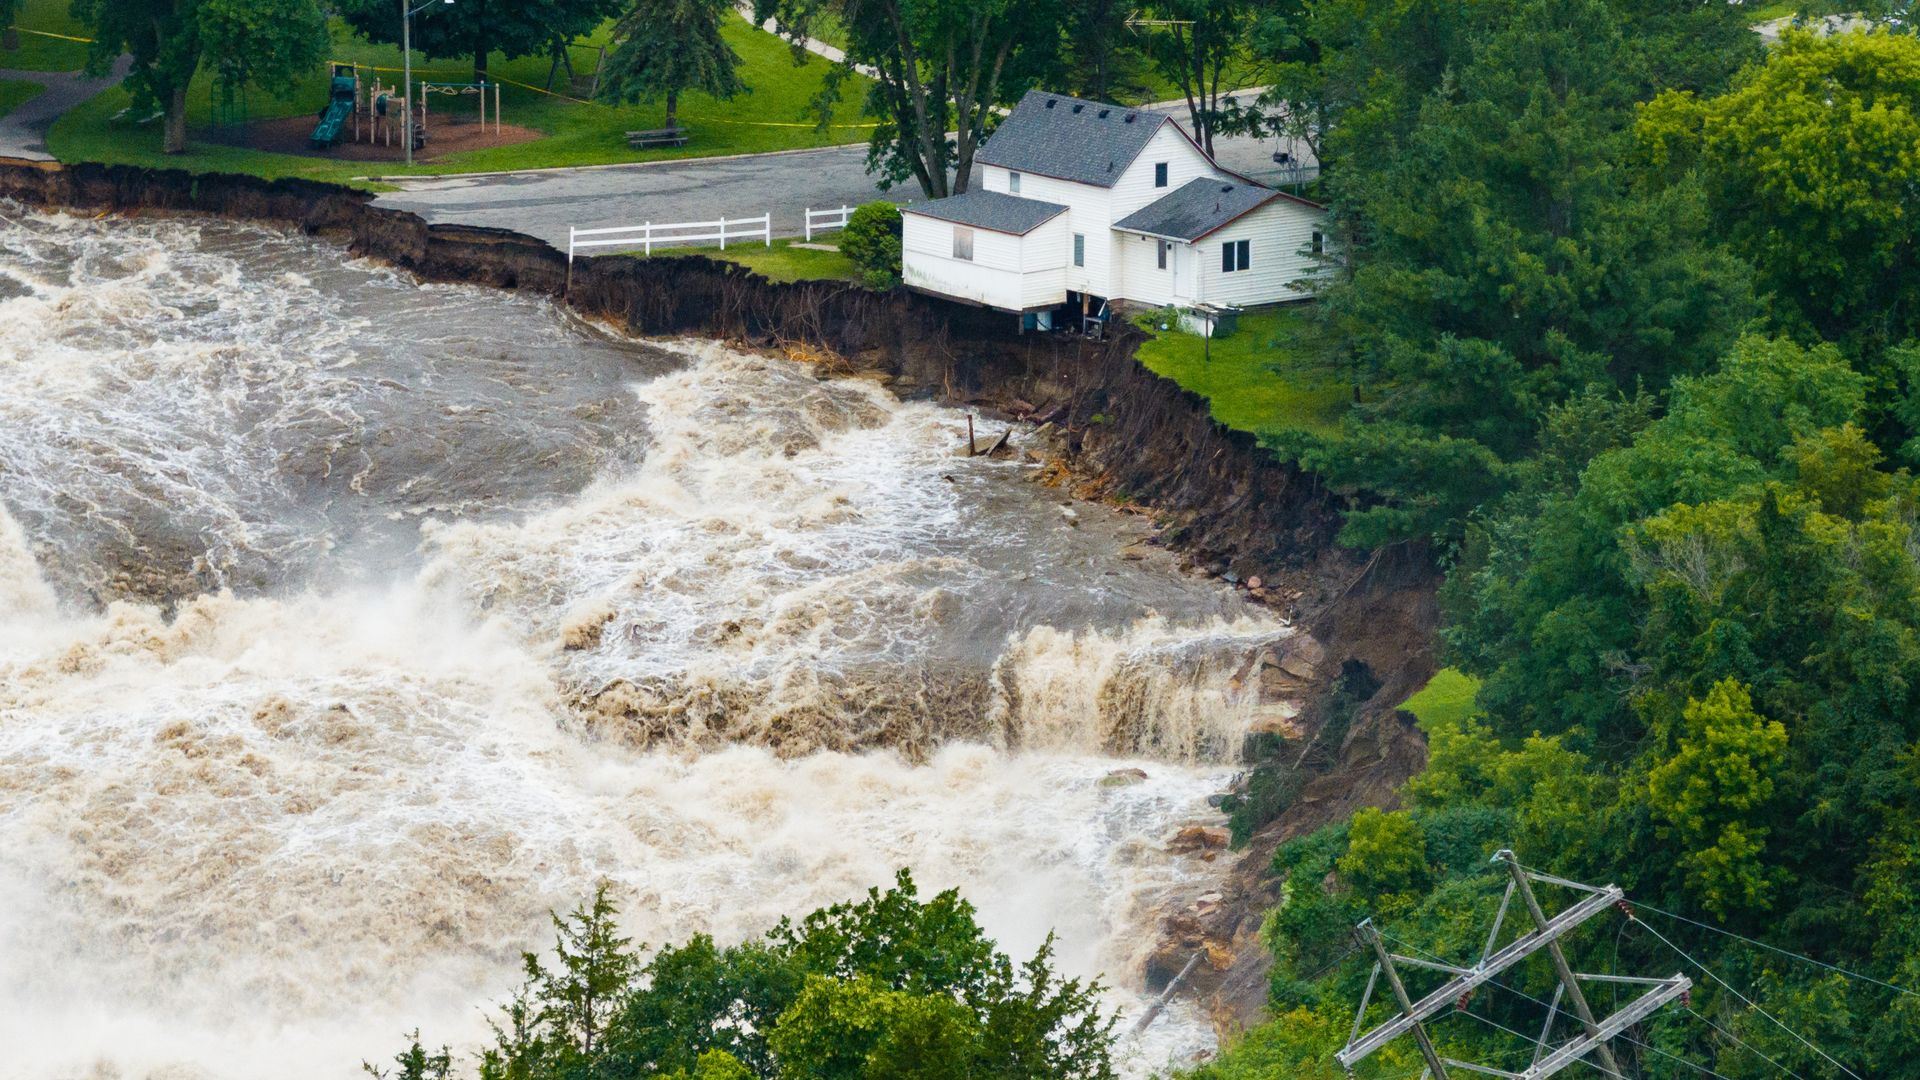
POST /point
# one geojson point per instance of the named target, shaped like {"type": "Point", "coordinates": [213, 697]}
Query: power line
{"type": "Point", "coordinates": [1776, 949]}
{"type": "Point", "coordinates": [1742, 1043]}
{"type": "Point", "coordinates": [1643, 905]}
{"type": "Point", "coordinates": [1529, 997]}
{"type": "Point", "coordinates": [1604, 1071]}
{"type": "Point", "coordinates": [1749, 1001]}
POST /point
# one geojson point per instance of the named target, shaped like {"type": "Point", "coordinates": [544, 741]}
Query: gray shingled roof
{"type": "Point", "coordinates": [989, 210]}
{"type": "Point", "coordinates": [1085, 141]}
{"type": "Point", "coordinates": [1196, 208]}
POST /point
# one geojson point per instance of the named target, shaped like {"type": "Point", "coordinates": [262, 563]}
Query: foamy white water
{"type": "Point", "coordinates": [348, 625]}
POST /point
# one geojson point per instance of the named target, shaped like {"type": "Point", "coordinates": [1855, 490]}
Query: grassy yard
{"type": "Point", "coordinates": [1447, 697]}
{"type": "Point", "coordinates": [40, 53]}
{"type": "Point", "coordinates": [14, 93]}
{"type": "Point", "coordinates": [1266, 376]}
{"type": "Point", "coordinates": [781, 261]}
{"type": "Point", "coordinates": [770, 117]}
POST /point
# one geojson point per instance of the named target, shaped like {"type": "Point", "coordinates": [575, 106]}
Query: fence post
{"type": "Point", "coordinates": [809, 224]}
{"type": "Point", "coordinates": [766, 227]}
{"type": "Point", "coordinates": [723, 232]}
{"type": "Point", "coordinates": [649, 227]}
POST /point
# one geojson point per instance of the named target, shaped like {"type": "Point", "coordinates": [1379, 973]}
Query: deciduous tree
{"type": "Point", "coordinates": [266, 42]}
{"type": "Point", "coordinates": [478, 28]}
{"type": "Point", "coordinates": [940, 69]}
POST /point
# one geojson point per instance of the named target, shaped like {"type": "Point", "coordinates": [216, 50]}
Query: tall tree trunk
{"type": "Point", "coordinates": [174, 141]}
{"type": "Point", "coordinates": [482, 45]}
{"type": "Point", "coordinates": [673, 108]}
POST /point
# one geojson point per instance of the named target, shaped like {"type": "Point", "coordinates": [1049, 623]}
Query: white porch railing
{"type": "Point", "coordinates": [651, 235]}
{"type": "Point", "coordinates": [823, 220]}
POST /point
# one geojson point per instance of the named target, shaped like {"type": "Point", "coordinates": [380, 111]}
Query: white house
{"type": "Point", "coordinates": [1081, 202]}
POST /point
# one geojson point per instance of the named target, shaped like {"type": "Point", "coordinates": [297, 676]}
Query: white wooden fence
{"type": "Point", "coordinates": [650, 235]}
{"type": "Point", "coordinates": [822, 220]}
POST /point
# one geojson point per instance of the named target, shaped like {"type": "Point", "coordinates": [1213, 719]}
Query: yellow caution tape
{"type": "Point", "coordinates": [603, 105]}
{"type": "Point", "coordinates": [51, 34]}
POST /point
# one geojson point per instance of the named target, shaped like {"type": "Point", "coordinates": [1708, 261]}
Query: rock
{"type": "Point", "coordinates": [1230, 578]}
{"type": "Point", "coordinates": [1215, 569]}
{"type": "Point", "coordinates": [1021, 408]}
{"type": "Point", "coordinates": [1297, 666]}
{"type": "Point", "coordinates": [1198, 838]}
{"type": "Point", "coordinates": [1216, 799]}
{"type": "Point", "coordinates": [1276, 719]}
{"type": "Point", "coordinates": [1254, 583]}
{"type": "Point", "coordinates": [1123, 777]}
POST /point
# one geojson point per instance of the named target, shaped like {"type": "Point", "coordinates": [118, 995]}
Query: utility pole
{"type": "Point", "coordinates": [1372, 934]}
{"type": "Point", "coordinates": [406, 70]}
{"type": "Point", "coordinates": [1560, 966]}
{"type": "Point", "coordinates": [1455, 992]}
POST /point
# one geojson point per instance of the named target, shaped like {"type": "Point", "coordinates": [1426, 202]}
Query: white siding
{"type": "Point", "coordinates": [1140, 269]}
{"type": "Point", "coordinates": [1087, 214]}
{"type": "Point", "coordinates": [1010, 272]}
{"type": "Point", "coordinates": [1184, 162]}
{"type": "Point", "coordinates": [1280, 233]}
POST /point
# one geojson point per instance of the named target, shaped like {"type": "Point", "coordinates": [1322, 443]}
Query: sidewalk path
{"type": "Point", "coordinates": [23, 132]}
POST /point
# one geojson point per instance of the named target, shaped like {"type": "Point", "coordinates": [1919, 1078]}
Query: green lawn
{"type": "Point", "coordinates": [1267, 376]}
{"type": "Point", "coordinates": [770, 117]}
{"type": "Point", "coordinates": [40, 53]}
{"type": "Point", "coordinates": [14, 93]}
{"type": "Point", "coordinates": [781, 261]}
{"type": "Point", "coordinates": [1446, 698]}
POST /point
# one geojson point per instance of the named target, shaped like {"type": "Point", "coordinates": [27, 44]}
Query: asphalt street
{"type": "Point", "coordinates": [545, 204]}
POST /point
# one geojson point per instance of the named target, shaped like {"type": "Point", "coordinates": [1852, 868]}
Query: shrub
{"type": "Point", "coordinates": [871, 241]}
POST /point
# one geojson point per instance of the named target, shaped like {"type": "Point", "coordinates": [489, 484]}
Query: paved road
{"type": "Point", "coordinates": [23, 132]}
{"type": "Point", "coordinates": [544, 204]}
{"type": "Point", "coordinates": [785, 185]}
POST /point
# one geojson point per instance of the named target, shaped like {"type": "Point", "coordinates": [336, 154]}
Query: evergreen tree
{"type": "Point", "coordinates": [664, 47]}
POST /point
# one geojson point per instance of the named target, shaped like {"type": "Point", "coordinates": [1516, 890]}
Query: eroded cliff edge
{"type": "Point", "coordinates": [1225, 503]}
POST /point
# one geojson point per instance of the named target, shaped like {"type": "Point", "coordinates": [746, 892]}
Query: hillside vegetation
{"type": "Point", "coordinates": [1637, 305]}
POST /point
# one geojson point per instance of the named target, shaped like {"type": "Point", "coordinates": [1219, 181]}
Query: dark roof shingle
{"type": "Point", "coordinates": [1070, 139]}
{"type": "Point", "coordinates": [990, 210]}
{"type": "Point", "coordinates": [1196, 208]}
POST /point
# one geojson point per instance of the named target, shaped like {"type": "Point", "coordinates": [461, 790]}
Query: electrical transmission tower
{"type": "Point", "coordinates": [1546, 934]}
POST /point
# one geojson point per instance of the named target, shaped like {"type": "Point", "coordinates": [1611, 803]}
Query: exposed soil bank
{"type": "Point", "coordinates": [1226, 503]}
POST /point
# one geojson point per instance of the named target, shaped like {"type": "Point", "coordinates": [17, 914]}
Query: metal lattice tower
{"type": "Point", "coordinates": [1546, 934]}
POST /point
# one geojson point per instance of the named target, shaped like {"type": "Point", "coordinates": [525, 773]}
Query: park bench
{"type": "Point", "coordinates": [673, 136]}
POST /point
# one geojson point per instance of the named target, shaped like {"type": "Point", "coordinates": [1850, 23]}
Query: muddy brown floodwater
{"type": "Point", "coordinates": [348, 624]}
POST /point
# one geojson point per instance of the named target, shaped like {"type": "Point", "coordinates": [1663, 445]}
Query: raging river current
{"type": "Point", "coordinates": [349, 624]}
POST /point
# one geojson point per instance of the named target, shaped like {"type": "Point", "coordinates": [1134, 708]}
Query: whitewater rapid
{"type": "Point", "coordinates": [348, 624]}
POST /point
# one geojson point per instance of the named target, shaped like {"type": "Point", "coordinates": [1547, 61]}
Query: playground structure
{"type": "Point", "coordinates": [375, 112]}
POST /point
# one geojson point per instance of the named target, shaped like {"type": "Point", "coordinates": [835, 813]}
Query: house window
{"type": "Point", "coordinates": [1079, 249]}
{"type": "Point", "coordinates": [1234, 255]}
{"type": "Point", "coordinates": [1162, 254]}
{"type": "Point", "coordinates": [1160, 174]}
{"type": "Point", "coordinates": [963, 243]}
{"type": "Point", "coordinates": [1319, 244]}
{"type": "Point", "coordinates": [1013, 183]}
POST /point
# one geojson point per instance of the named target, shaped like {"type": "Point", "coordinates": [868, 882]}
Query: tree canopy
{"type": "Point", "coordinates": [889, 987]}
{"type": "Point", "coordinates": [266, 42]}
{"type": "Point", "coordinates": [477, 28]}
{"type": "Point", "coordinates": [940, 68]}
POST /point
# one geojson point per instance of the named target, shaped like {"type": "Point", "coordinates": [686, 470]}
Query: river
{"type": "Point", "coordinates": [349, 623]}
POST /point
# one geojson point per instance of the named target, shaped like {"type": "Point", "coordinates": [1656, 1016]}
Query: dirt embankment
{"type": "Point", "coordinates": [1225, 503]}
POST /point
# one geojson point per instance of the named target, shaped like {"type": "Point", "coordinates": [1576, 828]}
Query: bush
{"type": "Point", "coordinates": [871, 241]}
